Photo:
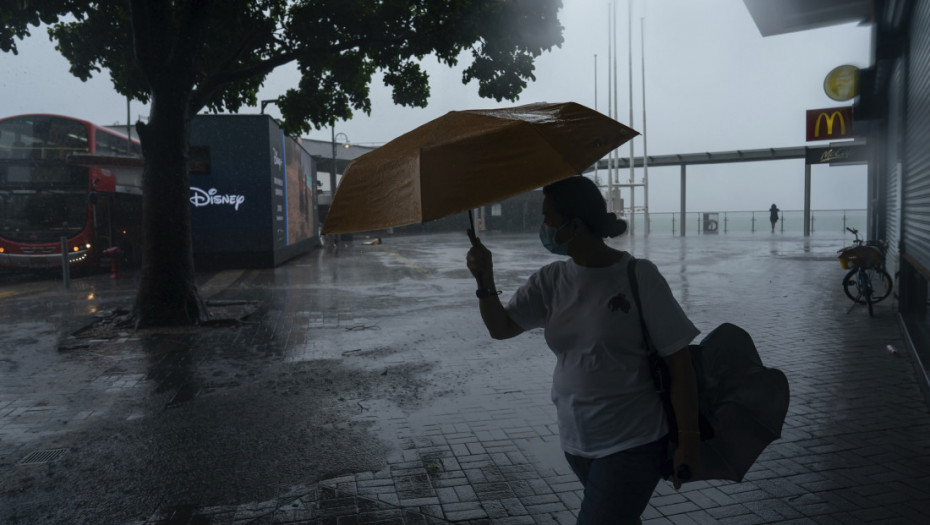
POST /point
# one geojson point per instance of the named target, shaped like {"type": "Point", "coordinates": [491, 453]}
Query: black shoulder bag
{"type": "Point", "coordinates": [742, 404]}
{"type": "Point", "coordinates": [659, 370]}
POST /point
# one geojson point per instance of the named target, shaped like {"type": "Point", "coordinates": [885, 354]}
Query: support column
{"type": "Point", "coordinates": [632, 204]}
{"type": "Point", "coordinates": [807, 200]}
{"type": "Point", "coordinates": [682, 218]}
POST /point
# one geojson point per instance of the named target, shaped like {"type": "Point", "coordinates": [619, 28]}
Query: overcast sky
{"type": "Point", "coordinates": [712, 84]}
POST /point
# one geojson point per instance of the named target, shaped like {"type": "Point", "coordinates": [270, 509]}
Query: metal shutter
{"type": "Point", "coordinates": [893, 182]}
{"type": "Point", "coordinates": [915, 194]}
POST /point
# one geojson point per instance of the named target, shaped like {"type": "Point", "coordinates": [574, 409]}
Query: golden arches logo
{"type": "Point", "coordinates": [829, 118]}
{"type": "Point", "coordinates": [829, 123]}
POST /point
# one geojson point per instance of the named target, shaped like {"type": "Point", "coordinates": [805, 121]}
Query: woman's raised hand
{"type": "Point", "coordinates": [479, 262]}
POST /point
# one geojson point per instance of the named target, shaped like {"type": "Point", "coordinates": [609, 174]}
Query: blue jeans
{"type": "Point", "coordinates": [617, 487]}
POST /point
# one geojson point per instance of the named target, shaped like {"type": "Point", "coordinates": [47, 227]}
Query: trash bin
{"type": "Point", "coordinates": [711, 222]}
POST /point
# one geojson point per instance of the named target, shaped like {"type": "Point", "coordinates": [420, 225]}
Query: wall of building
{"type": "Point", "coordinates": [896, 98]}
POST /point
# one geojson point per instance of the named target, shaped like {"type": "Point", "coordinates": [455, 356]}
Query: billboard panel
{"type": "Point", "coordinates": [253, 207]}
{"type": "Point", "coordinates": [229, 204]}
{"type": "Point", "coordinates": [278, 175]}
{"type": "Point", "coordinates": [299, 203]}
{"type": "Point", "coordinates": [829, 123]}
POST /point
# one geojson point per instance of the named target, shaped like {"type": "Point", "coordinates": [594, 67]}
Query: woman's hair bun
{"type": "Point", "coordinates": [614, 226]}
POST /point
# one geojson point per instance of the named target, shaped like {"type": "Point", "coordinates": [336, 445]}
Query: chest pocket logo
{"type": "Point", "coordinates": [619, 302]}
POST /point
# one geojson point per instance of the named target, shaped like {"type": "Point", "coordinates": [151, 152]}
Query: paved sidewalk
{"type": "Point", "coordinates": [362, 388]}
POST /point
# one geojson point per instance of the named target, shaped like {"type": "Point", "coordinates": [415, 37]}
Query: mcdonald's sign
{"type": "Point", "coordinates": [829, 123]}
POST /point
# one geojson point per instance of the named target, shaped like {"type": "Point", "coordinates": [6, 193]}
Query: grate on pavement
{"type": "Point", "coordinates": [43, 456]}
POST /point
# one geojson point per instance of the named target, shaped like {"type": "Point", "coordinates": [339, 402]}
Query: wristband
{"type": "Point", "coordinates": [481, 293]}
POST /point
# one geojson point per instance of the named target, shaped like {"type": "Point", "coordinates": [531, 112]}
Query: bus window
{"type": "Point", "coordinates": [110, 144]}
{"type": "Point", "coordinates": [42, 216]}
{"type": "Point", "coordinates": [41, 137]}
{"type": "Point", "coordinates": [43, 173]}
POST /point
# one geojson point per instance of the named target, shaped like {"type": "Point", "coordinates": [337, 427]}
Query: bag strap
{"type": "Point", "coordinates": [657, 367]}
{"type": "Point", "coordinates": [661, 378]}
{"type": "Point", "coordinates": [634, 285]}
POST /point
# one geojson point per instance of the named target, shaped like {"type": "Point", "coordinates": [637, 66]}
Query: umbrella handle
{"type": "Point", "coordinates": [471, 231]}
{"type": "Point", "coordinates": [473, 238]}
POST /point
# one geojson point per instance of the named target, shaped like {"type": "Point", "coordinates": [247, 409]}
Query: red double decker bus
{"type": "Point", "coordinates": [52, 188]}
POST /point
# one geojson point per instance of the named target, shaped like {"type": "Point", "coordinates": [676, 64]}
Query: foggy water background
{"type": "Point", "coordinates": [823, 223]}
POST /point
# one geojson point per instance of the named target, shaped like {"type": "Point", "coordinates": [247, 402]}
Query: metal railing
{"type": "Point", "coordinates": [749, 222]}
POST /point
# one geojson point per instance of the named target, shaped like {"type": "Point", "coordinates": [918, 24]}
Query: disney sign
{"type": "Point", "coordinates": [201, 197]}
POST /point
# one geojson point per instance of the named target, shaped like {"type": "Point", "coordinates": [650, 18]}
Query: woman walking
{"type": "Point", "coordinates": [612, 424]}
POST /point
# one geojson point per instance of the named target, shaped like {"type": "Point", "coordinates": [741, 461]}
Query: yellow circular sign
{"type": "Point", "coordinates": [842, 83]}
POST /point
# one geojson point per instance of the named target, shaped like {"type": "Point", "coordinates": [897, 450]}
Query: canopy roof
{"type": "Point", "coordinates": [776, 17]}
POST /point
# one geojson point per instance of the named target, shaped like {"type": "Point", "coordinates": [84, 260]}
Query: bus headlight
{"type": "Point", "coordinates": [87, 246]}
{"type": "Point", "coordinates": [76, 248]}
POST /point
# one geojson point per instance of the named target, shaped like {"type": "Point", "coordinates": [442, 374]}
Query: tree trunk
{"type": "Point", "coordinates": [167, 293]}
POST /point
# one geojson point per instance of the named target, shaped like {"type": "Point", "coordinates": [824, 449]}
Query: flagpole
{"type": "Point", "coordinates": [596, 181]}
{"type": "Point", "coordinates": [632, 168]}
{"type": "Point", "coordinates": [610, 106]}
{"type": "Point", "coordinates": [642, 46]}
{"type": "Point", "coordinates": [616, 115]}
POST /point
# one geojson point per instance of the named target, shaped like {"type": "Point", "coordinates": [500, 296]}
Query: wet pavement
{"type": "Point", "coordinates": [361, 387]}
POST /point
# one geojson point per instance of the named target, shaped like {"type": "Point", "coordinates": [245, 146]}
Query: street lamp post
{"type": "Point", "coordinates": [332, 173]}
{"type": "Point", "coordinates": [266, 102]}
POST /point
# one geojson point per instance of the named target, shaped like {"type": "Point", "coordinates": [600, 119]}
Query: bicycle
{"type": "Point", "coordinates": [867, 280]}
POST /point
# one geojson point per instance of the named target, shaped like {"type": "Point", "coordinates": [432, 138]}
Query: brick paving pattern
{"type": "Point", "coordinates": [459, 428]}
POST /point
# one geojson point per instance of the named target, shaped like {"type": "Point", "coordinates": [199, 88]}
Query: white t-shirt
{"type": "Point", "coordinates": [601, 386]}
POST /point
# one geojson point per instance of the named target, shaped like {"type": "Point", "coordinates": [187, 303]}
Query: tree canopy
{"type": "Point", "coordinates": [182, 56]}
{"type": "Point", "coordinates": [224, 50]}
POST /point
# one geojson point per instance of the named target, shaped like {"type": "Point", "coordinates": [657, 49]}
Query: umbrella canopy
{"type": "Point", "coordinates": [744, 425]}
{"type": "Point", "coordinates": [745, 402]}
{"type": "Point", "coordinates": [467, 159]}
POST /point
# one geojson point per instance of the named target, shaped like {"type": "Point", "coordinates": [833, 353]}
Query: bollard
{"type": "Point", "coordinates": [673, 224]}
{"type": "Point", "coordinates": [115, 254]}
{"type": "Point", "coordinates": [65, 264]}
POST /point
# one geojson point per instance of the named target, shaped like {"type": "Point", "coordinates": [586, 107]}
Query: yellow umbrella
{"type": "Point", "coordinates": [467, 159]}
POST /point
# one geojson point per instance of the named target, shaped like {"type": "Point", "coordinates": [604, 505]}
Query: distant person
{"type": "Point", "coordinates": [773, 216]}
{"type": "Point", "coordinates": [612, 424]}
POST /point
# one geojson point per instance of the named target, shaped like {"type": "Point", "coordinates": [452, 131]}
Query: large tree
{"type": "Point", "coordinates": [184, 56]}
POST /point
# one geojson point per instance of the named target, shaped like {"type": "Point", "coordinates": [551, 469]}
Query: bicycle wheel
{"type": "Point", "coordinates": [880, 280]}
{"type": "Point", "coordinates": [864, 284]}
{"type": "Point", "coordinates": [851, 286]}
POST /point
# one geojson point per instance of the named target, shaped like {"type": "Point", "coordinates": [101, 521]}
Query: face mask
{"type": "Point", "coordinates": [547, 236]}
